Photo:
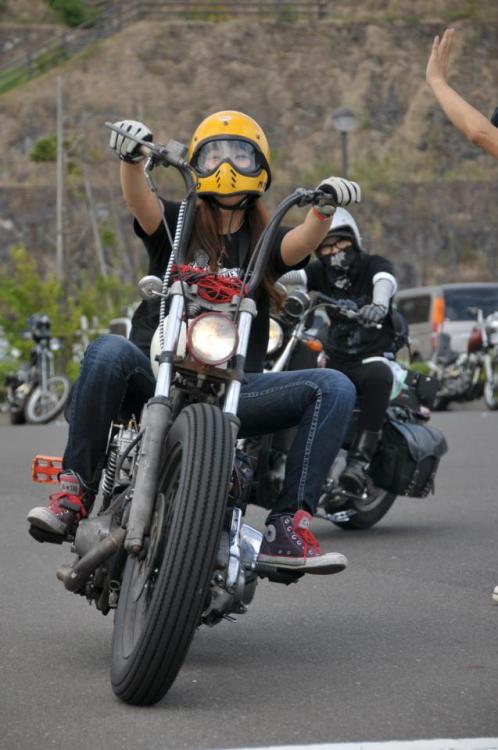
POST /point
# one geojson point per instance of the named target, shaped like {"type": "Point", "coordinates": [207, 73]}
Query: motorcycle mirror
{"type": "Point", "coordinates": [150, 287]}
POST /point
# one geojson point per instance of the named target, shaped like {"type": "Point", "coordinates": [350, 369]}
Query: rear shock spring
{"type": "Point", "coordinates": [109, 474]}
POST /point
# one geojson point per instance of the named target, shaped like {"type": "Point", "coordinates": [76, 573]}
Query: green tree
{"type": "Point", "coordinates": [23, 292]}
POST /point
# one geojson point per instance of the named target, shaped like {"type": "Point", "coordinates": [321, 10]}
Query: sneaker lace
{"type": "Point", "coordinates": [54, 503]}
{"type": "Point", "coordinates": [309, 539]}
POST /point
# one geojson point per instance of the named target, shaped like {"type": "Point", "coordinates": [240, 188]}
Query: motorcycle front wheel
{"type": "Point", "coordinates": [164, 592]}
{"type": "Point", "coordinates": [491, 390]}
{"type": "Point", "coordinates": [44, 405]}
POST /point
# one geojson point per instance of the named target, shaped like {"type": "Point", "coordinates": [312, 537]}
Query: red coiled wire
{"type": "Point", "coordinates": [213, 287]}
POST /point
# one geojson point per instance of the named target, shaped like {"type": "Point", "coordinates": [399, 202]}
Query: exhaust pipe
{"type": "Point", "coordinates": [75, 577]}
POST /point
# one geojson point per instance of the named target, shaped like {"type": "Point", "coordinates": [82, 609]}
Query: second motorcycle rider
{"type": "Point", "coordinates": [230, 154]}
{"type": "Point", "coordinates": [358, 348]}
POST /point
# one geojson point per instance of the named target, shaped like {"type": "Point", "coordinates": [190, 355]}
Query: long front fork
{"type": "Point", "coordinates": [488, 369]}
{"type": "Point", "coordinates": [156, 418]}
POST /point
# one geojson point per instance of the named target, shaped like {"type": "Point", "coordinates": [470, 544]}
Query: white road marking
{"type": "Point", "coordinates": [472, 743]}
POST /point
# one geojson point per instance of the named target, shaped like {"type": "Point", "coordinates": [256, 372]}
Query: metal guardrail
{"type": "Point", "coordinates": [31, 63]}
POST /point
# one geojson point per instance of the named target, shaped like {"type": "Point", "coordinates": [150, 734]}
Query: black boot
{"type": "Point", "coordinates": [353, 478]}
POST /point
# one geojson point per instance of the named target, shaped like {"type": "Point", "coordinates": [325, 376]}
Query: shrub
{"type": "Point", "coordinates": [44, 149]}
{"type": "Point", "coordinates": [73, 12]}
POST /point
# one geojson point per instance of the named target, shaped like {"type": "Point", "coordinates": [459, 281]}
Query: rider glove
{"type": "Point", "coordinates": [371, 315]}
{"type": "Point", "coordinates": [342, 192]}
{"type": "Point", "coordinates": [127, 149]}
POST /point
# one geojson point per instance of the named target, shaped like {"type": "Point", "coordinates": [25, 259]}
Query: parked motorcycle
{"type": "Point", "coordinates": [409, 451]}
{"type": "Point", "coordinates": [35, 394]}
{"type": "Point", "coordinates": [472, 374]}
{"type": "Point", "coordinates": [168, 549]}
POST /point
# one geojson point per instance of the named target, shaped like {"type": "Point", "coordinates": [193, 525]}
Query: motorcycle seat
{"type": "Point", "coordinates": [448, 358]}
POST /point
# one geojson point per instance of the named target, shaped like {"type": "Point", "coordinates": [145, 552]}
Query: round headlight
{"type": "Point", "coordinates": [296, 303]}
{"type": "Point", "coordinates": [276, 337]}
{"type": "Point", "coordinates": [212, 338]}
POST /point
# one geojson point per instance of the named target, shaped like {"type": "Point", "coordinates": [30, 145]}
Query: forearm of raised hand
{"type": "Point", "coordinates": [139, 198]}
{"type": "Point", "coordinates": [472, 123]}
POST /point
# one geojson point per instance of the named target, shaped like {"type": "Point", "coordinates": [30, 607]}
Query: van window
{"type": "Point", "coordinates": [458, 301]}
{"type": "Point", "coordinates": [415, 309]}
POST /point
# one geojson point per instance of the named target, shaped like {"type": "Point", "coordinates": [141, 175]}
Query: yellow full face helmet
{"type": "Point", "coordinates": [230, 155]}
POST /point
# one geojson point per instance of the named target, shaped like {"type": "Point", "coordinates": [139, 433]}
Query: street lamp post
{"type": "Point", "coordinates": [344, 120]}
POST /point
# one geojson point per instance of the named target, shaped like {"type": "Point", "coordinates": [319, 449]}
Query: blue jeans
{"type": "Point", "coordinates": [116, 380]}
{"type": "Point", "coordinates": [319, 403]}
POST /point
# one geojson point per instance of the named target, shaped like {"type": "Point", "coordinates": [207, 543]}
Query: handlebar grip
{"type": "Point", "coordinates": [173, 154]}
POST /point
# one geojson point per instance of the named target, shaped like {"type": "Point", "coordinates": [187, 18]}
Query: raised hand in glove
{"type": "Point", "coordinates": [371, 315]}
{"type": "Point", "coordinates": [127, 149]}
{"type": "Point", "coordinates": [342, 192]}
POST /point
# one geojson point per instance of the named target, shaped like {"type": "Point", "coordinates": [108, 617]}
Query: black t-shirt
{"type": "Point", "coordinates": [348, 341]}
{"type": "Point", "coordinates": [146, 317]}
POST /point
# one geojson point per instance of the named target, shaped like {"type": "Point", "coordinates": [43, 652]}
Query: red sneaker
{"type": "Point", "coordinates": [64, 510]}
{"type": "Point", "coordinates": [288, 543]}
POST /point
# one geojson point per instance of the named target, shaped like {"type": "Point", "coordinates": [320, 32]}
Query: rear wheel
{"type": "Point", "coordinates": [163, 595]}
{"type": "Point", "coordinates": [45, 405]}
{"type": "Point", "coordinates": [358, 513]}
{"type": "Point", "coordinates": [440, 404]}
{"type": "Point", "coordinates": [16, 416]}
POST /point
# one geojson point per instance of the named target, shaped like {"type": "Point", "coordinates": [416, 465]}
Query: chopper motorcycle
{"type": "Point", "coordinates": [35, 394]}
{"type": "Point", "coordinates": [472, 374]}
{"type": "Point", "coordinates": [168, 550]}
{"type": "Point", "coordinates": [409, 451]}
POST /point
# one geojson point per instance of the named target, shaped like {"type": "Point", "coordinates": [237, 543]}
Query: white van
{"type": "Point", "coordinates": [446, 308]}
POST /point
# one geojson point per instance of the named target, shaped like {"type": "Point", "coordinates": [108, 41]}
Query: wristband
{"type": "Point", "coordinates": [319, 215]}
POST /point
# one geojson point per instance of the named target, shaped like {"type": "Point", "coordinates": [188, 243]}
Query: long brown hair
{"type": "Point", "coordinates": [206, 236]}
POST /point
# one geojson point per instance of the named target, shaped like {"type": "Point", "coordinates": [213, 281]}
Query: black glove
{"type": "Point", "coordinates": [371, 315]}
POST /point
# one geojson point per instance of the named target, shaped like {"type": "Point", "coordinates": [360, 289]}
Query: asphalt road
{"type": "Point", "coordinates": [402, 645]}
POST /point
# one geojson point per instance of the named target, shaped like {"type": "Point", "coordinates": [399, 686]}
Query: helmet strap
{"type": "Point", "coordinates": [245, 202]}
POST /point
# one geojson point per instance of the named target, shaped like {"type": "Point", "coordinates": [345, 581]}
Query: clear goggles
{"type": "Point", "coordinates": [241, 154]}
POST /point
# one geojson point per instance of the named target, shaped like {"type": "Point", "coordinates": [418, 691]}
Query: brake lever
{"type": "Point", "coordinates": [355, 315]}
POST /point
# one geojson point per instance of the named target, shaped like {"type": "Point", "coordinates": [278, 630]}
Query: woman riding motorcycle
{"type": "Point", "coordinates": [230, 155]}
{"type": "Point", "coordinates": [357, 348]}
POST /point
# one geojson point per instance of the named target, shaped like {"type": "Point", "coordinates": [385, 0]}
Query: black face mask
{"type": "Point", "coordinates": [340, 261]}
{"type": "Point", "coordinates": [340, 267]}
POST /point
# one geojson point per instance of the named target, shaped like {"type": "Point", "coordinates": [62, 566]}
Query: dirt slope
{"type": "Point", "coordinates": [429, 197]}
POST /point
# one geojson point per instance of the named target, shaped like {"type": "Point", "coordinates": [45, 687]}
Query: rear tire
{"type": "Point", "coordinates": [17, 417]}
{"type": "Point", "coordinates": [366, 512]}
{"type": "Point", "coordinates": [163, 596]}
{"type": "Point", "coordinates": [440, 404]}
{"type": "Point", "coordinates": [43, 406]}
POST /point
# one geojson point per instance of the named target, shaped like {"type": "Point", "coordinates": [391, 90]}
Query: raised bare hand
{"type": "Point", "coordinates": [437, 65]}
